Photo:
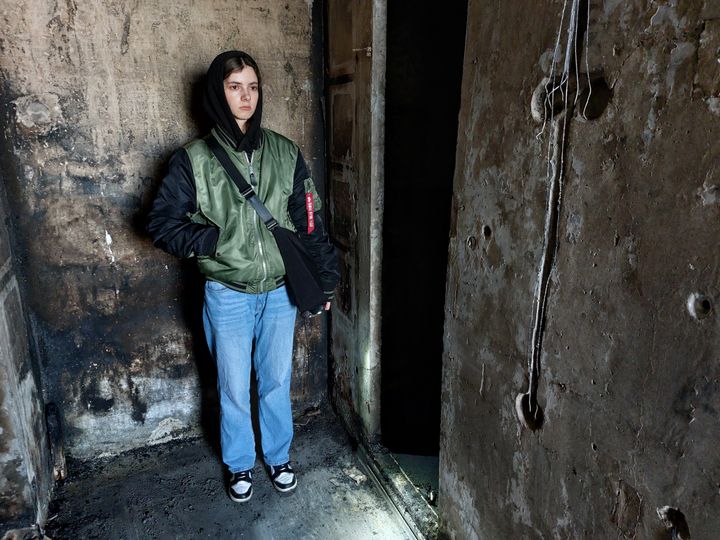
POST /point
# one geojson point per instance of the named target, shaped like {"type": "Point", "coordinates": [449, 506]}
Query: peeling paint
{"type": "Point", "coordinates": [709, 194]}
{"type": "Point", "coordinates": [38, 113]}
{"type": "Point", "coordinates": [167, 430]}
{"type": "Point", "coordinates": [713, 104]}
{"type": "Point", "coordinates": [108, 243]}
{"type": "Point", "coordinates": [681, 57]}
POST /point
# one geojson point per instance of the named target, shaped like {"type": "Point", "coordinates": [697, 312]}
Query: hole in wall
{"type": "Point", "coordinates": [674, 521]}
{"type": "Point", "coordinates": [699, 306]}
{"type": "Point", "coordinates": [487, 231]}
{"type": "Point", "coordinates": [594, 99]}
{"type": "Point", "coordinates": [531, 419]}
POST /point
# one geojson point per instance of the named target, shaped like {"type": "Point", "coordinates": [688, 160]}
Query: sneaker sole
{"type": "Point", "coordinates": [285, 489]}
{"type": "Point", "coordinates": [240, 500]}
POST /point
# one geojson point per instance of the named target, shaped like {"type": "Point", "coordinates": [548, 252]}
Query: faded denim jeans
{"type": "Point", "coordinates": [232, 321]}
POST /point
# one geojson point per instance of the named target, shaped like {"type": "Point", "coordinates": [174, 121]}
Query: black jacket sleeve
{"type": "Point", "coordinates": [318, 242]}
{"type": "Point", "coordinates": [169, 221]}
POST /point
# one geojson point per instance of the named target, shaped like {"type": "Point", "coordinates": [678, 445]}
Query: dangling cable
{"type": "Point", "coordinates": [549, 94]}
{"type": "Point", "coordinates": [587, 61]}
{"type": "Point", "coordinates": [527, 405]}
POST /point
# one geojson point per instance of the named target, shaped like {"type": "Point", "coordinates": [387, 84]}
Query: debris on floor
{"type": "Point", "coordinates": [355, 474]}
{"type": "Point", "coordinates": [177, 490]}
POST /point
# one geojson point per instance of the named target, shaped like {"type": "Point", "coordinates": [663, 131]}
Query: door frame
{"type": "Point", "coordinates": [356, 325]}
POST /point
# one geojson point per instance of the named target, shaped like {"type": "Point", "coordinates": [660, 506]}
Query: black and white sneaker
{"type": "Point", "coordinates": [240, 488]}
{"type": "Point", "coordinates": [283, 477]}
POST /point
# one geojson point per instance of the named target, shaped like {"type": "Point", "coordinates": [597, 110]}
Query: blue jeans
{"type": "Point", "coordinates": [232, 321]}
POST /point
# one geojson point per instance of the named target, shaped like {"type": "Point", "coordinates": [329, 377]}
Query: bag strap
{"type": "Point", "coordinates": [245, 189]}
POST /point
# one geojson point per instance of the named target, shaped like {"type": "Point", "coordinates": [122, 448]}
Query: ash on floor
{"type": "Point", "coordinates": [177, 490]}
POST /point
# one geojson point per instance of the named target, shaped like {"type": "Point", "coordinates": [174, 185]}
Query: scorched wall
{"type": "Point", "coordinates": [25, 476]}
{"type": "Point", "coordinates": [95, 96]}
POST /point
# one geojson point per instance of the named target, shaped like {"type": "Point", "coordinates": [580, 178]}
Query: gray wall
{"type": "Point", "coordinates": [25, 476]}
{"type": "Point", "coordinates": [95, 97]}
{"type": "Point", "coordinates": [630, 380]}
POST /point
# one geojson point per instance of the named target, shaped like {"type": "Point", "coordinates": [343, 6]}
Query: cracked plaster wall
{"type": "Point", "coordinates": [630, 380]}
{"type": "Point", "coordinates": [95, 97]}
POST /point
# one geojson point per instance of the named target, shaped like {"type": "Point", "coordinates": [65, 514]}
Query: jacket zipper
{"type": "Point", "coordinates": [253, 182]}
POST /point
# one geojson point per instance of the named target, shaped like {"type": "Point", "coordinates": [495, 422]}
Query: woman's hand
{"type": "Point", "coordinates": [327, 306]}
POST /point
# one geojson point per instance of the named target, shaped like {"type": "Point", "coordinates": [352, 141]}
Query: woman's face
{"type": "Point", "coordinates": [242, 92]}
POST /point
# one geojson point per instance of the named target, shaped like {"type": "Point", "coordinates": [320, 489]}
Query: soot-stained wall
{"type": "Point", "coordinates": [629, 374]}
{"type": "Point", "coordinates": [25, 477]}
{"type": "Point", "coordinates": [95, 97]}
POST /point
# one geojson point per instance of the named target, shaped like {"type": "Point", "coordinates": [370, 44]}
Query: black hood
{"type": "Point", "coordinates": [218, 110]}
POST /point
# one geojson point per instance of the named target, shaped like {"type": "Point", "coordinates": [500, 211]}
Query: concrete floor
{"type": "Point", "coordinates": [177, 490]}
{"type": "Point", "coordinates": [422, 471]}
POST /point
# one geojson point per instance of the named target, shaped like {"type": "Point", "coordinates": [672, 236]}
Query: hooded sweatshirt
{"type": "Point", "coordinates": [218, 110]}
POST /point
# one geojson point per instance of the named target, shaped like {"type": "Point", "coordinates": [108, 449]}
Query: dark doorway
{"type": "Point", "coordinates": [425, 49]}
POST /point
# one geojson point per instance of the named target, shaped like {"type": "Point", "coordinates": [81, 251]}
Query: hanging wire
{"type": "Point", "coordinates": [587, 60]}
{"type": "Point", "coordinates": [549, 94]}
{"type": "Point", "coordinates": [555, 171]}
{"type": "Point", "coordinates": [575, 58]}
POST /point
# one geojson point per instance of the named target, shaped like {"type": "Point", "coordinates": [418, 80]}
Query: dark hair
{"type": "Point", "coordinates": [216, 105]}
{"type": "Point", "coordinates": [238, 63]}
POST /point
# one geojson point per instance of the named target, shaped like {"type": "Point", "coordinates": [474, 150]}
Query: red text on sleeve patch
{"type": "Point", "coordinates": [310, 207]}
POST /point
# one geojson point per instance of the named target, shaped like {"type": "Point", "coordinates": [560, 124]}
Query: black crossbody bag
{"type": "Point", "coordinates": [301, 275]}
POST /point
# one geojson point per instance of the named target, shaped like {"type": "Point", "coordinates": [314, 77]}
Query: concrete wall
{"type": "Point", "coordinates": [630, 378]}
{"type": "Point", "coordinates": [95, 96]}
{"type": "Point", "coordinates": [25, 476]}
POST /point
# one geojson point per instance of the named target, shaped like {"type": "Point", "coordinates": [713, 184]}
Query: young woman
{"type": "Point", "coordinates": [199, 212]}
